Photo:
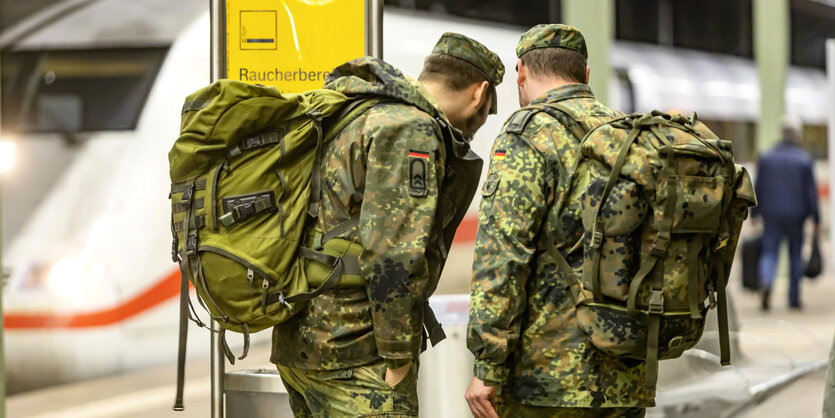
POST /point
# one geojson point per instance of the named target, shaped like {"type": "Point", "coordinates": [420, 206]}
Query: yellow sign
{"type": "Point", "coordinates": [292, 44]}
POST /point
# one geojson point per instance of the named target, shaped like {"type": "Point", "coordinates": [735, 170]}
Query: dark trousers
{"type": "Point", "coordinates": [774, 231]}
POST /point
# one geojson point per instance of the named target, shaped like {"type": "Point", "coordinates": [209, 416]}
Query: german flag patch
{"type": "Point", "coordinates": [499, 154]}
{"type": "Point", "coordinates": [419, 154]}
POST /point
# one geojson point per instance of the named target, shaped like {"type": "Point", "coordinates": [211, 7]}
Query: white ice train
{"type": "Point", "coordinates": [91, 96]}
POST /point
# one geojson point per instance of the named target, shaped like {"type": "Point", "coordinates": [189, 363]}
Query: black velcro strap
{"type": "Point", "coordinates": [183, 206]}
{"type": "Point", "coordinates": [517, 122]}
{"type": "Point", "coordinates": [199, 222]}
{"type": "Point", "coordinates": [195, 105]}
{"type": "Point", "coordinates": [433, 327]}
{"type": "Point", "coordinates": [181, 187]}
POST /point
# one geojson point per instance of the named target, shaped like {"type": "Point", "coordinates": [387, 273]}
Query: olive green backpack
{"type": "Point", "coordinates": [662, 209]}
{"type": "Point", "coordinates": [243, 191]}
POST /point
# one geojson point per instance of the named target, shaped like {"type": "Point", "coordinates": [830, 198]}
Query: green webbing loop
{"type": "Point", "coordinates": [341, 228]}
{"type": "Point", "coordinates": [653, 334]}
{"type": "Point", "coordinates": [316, 171]}
{"type": "Point", "coordinates": [183, 206]}
{"type": "Point", "coordinates": [181, 187]}
{"type": "Point", "coordinates": [257, 141]}
{"type": "Point", "coordinates": [597, 229]}
{"type": "Point", "coordinates": [194, 105]}
{"type": "Point", "coordinates": [722, 316]}
{"type": "Point", "coordinates": [199, 223]}
{"type": "Point", "coordinates": [693, 279]}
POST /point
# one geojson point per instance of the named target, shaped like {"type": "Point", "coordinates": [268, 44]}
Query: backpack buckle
{"type": "Point", "coordinates": [188, 194]}
{"type": "Point", "coordinates": [656, 302]}
{"type": "Point", "coordinates": [596, 238]}
{"type": "Point", "coordinates": [191, 244]}
{"type": "Point", "coordinates": [175, 257]}
{"type": "Point", "coordinates": [243, 211]}
{"type": "Point", "coordinates": [659, 247]}
{"type": "Point", "coordinates": [284, 302]}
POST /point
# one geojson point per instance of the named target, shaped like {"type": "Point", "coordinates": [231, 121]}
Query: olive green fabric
{"type": "Point", "coordinates": [254, 149]}
{"type": "Point", "coordinates": [662, 213]}
{"type": "Point", "coordinates": [359, 391]}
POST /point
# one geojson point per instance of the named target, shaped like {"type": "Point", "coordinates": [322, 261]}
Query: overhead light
{"type": "Point", "coordinates": [7, 152]}
{"type": "Point", "coordinates": [67, 278]}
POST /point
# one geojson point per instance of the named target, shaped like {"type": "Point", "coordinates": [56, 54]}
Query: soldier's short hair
{"type": "Point", "coordinates": [455, 74]}
{"type": "Point", "coordinates": [564, 63]}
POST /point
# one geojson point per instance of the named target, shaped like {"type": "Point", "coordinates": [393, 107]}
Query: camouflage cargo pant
{"type": "Point", "coordinates": [356, 392]}
{"type": "Point", "coordinates": [511, 409]}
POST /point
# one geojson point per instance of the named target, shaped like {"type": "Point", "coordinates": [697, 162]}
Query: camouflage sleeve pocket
{"type": "Point", "coordinates": [490, 185]}
{"type": "Point", "coordinates": [487, 192]}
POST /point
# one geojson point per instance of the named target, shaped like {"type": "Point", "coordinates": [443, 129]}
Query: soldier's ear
{"type": "Point", "coordinates": [480, 95]}
{"type": "Point", "coordinates": [521, 73]}
{"type": "Point", "coordinates": [588, 71]}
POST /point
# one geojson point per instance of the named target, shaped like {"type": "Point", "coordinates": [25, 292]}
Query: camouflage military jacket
{"type": "Point", "coordinates": [393, 169]}
{"type": "Point", "coordinates": [523, 329]}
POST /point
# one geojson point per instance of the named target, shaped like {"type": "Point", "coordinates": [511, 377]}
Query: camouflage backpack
{"type": "Point", "coordinates": [662, 211]}
{"type": "Point", "coordinates": [245, 183]}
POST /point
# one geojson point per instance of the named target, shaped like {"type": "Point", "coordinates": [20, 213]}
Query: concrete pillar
{"type": "Point", "coordinates": [830, 70]}
{"type": "Point", "coordinates": [596, 20]}
{"type": "Point", "coordinates": [771, 51]}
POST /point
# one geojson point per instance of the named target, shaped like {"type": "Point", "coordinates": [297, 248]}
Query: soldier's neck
{"type": "Point", "coordinates": [449, 102]}
{"type": "Point", "coordinates": [535, 87]}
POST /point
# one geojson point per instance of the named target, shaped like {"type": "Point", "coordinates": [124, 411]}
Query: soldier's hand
{"type": "Point", "coordinates": [481, 399]}
{"type": "Point", "coordinates": [394, 376]}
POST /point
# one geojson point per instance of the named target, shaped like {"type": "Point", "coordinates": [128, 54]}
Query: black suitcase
{"type": "Point", "coordinates": [751, 250]}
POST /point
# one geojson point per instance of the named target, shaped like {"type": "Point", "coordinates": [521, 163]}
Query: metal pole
{"type": "Point", "coordinates": [830, 69]}
{"type": "Point", "coordinates": [2, 329]}
{"type": "Point", "coordinates": [374, 28]}
{"type": "Point", "coordinates": [217, 71]}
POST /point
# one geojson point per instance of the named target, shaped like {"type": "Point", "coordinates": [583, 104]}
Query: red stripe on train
{"type": "Point", "coordinates": [167, 288]}
{"type": "Point", "coordinates": [162, 291]}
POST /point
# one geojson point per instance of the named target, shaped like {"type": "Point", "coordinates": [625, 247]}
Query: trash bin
{"type": "Point", "coordinates": [255, 393]}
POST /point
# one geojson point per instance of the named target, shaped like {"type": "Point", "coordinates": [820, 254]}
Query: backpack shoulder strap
{"type": "Point", "coordinates": [517, 122]}
{"type": "Point", "coordinates": [352, 110]}
{"type": "Point", "coordinates": [565, 117]}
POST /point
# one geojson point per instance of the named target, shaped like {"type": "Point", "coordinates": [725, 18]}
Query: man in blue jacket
{"type": "Point", "coordinates": [787, 195]}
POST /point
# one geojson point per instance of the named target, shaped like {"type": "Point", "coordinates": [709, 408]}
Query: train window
{"type": "Point", "coordinates": [76, 90]}
{"type": "Point", "coordinates": [514, 12]}
{"type": "Point", "coordinates": [741, 133]}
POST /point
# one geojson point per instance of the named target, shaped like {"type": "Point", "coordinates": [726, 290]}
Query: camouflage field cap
{"type": "Point", "coordinates": [552, 36]}
{"type": "Point", "coordinates": [470, 50]}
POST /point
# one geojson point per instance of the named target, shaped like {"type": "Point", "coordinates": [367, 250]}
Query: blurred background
{"type": "Point", "coordinates": [91, 94]}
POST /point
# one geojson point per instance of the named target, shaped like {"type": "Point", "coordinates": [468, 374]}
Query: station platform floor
{"type": "Point", "coordinates": [150, 393]}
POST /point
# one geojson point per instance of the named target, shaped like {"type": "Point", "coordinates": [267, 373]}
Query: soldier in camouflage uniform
{"type": "Point", "coordinates": [531, 359]}
{"type": "Point", "coordinates": [404, 172]}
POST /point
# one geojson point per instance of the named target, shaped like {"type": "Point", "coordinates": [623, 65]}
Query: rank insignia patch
{"type": "Point", "coordinates": [417, 172]}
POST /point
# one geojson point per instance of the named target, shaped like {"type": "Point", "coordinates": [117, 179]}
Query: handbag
{"type": "Point", "coordinates": [815, 264]}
